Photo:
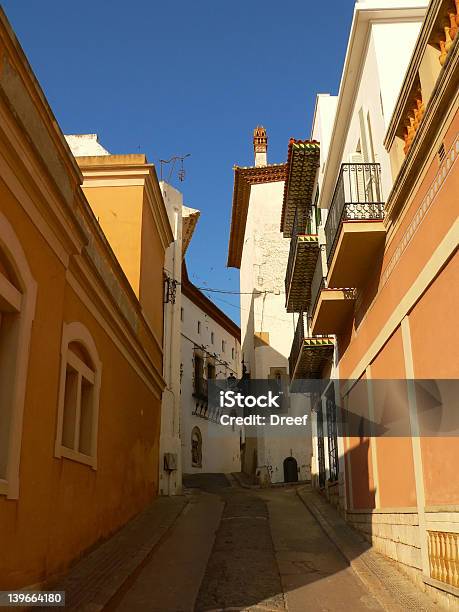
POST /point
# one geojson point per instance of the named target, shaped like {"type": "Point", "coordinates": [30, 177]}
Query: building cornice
{"type": "Point", "coordinates": [129, 170]}
{"type": "Point", "coordinates": [18, 82]}
{"type": "Point", "coordinates": [244, 178]}
{"type": "Point", "coordinates": [365, 14]}
{"type": "Point", "coordinates": [190, 218]}
{"type": "Point", "coordinates": [412, 70]}
{"type": "Point", "coordinates": [201, 301]}
{"type": "Point", "coordinates": [444, 98]}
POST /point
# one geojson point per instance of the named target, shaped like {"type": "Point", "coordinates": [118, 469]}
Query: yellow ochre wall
{"type": "Point", "coordinates": [119, 212]}
{"type": "Point", "coordinates": [64, 507]}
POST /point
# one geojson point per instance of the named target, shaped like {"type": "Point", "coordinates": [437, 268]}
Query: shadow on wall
{"type": "Point", "coordinates": [257, 349]}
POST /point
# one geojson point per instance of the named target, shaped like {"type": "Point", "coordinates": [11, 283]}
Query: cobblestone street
{"type": "Point", "coordinates": [235, 548]}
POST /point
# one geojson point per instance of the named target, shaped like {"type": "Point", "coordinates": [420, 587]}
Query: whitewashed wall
{"type": "Point", "coordinates": [170, 482]}
{"type": "Point", "coordinates": [262, 276]}
{"type": "Point", "coordinates": [389, 51]}
{"type": "Point", "coordinates": [220, 453]}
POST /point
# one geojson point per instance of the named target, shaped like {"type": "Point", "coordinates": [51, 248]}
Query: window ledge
{"type": "Point", "coordinates": [68, 453]}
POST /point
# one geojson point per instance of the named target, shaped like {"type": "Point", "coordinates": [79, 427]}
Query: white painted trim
{"type": "Point", "coordinates": [373, 439]}
{"type": "Point", "coordinates": [77, 332]}
{"type": "Point", "coordinates": [10, 245]}
{"type": "Point", "coordinates": [415, 442]}
{"type": "Point", "coordinates": [81, 367]}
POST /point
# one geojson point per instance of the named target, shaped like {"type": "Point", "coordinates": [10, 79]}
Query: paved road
{"type": "Point", "coordinates": [245, 549]}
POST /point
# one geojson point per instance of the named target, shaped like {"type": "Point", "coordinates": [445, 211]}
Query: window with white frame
{"type": "Point", "coordinates": [79, 396]}
{"type": "Point", "coordinates": [18, 292]}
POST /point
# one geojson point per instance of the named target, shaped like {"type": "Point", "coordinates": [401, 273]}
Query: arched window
{"type": "Point", "coordinates": [18, 291]}
{"type": "Point", "coordinates": [196, 447]}
{"type": "Point", "coordinates": [78, 409]}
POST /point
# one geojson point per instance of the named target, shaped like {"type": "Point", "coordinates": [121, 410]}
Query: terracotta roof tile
{"type": "Point", "coordinates": [244, 178]}
{"type": "Point", "coordinates": [302, 165]}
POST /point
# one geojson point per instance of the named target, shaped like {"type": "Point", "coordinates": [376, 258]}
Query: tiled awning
{"type": "Point", "coordinates": [315, 353]}
{"type": "Point", "coordinates": [302, 164]}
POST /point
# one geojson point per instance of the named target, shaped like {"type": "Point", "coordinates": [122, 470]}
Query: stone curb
{"type": "Point", "coordinates": [388, 585]}
{"type": "Point", "coordinates": [99, 577]}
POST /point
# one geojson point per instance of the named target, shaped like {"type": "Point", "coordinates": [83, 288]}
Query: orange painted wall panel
{"type": "Point", "coordinates": [395, 454]}
{"type": "Point", "coordinates": [358, 459]}
{"type": "Point", "coordinates": [435, 345]}
{"type": "Point", "coordinates": [435, 224]}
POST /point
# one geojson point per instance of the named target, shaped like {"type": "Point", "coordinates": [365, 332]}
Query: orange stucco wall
{"type": "Point", "coordinates": [395, 454]}
{"type": "Point", "coordinates": [434, 339]}
{"type": "Point", "coordinates": [64, 507]}
{"type": "Point", "coordinates": [358, 460]}
{"type": "Point", "coordinates": [436, 223]}
{"type": "Point", "coordinates": [440, 455]}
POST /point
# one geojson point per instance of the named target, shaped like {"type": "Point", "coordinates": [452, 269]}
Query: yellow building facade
{"type": "Point", "coordinates": [81, 324]}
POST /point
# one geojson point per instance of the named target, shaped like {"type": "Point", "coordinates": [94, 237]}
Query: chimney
{"type": "Point", "coordinates": [260, 146]}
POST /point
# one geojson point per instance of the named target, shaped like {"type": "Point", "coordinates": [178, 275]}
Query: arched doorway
{"type": "Point", "coordinates": [290, 470]}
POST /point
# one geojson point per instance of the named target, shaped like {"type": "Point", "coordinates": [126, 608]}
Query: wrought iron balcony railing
{"type": "Point", "coordinates": [297, 344]}
{"type": "Point", "coordinates": [357, 197]}
{"type": "Point", "coordinates": [317, 284]}
{"type": "Point", "coordinates": [301, 226]}
{"type": "Point", "coordinates": [200, 388]}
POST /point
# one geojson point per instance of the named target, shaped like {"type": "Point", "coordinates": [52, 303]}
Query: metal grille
{"type": "Point", "coordinates": [318, 283]}
{"type": "Point", "coordinates": [357, 197]}
{"type": "Point", "coordinates": [320, 445]}
{"type": "Point", "coordinates": [332, 435]}
{"type": "Point", "coordinates": [297, 344]}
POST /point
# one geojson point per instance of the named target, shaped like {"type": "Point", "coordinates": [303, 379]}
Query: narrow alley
{"type": "Point", "coordinates": [234, 548]}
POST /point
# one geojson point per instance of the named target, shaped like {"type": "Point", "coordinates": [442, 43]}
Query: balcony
{"type": "Point", "coordinates": [309, 356]}
{"type": "Point", "coordinates": [354, 229]}
{"type": "Point", "coordinates": [330, 309]}
{"type": "Point", "coordinates": [304, 249]}
{"type": "Point", "coordinates": [303, 161]}
{"type": "Point", "coordinates": [200, 389]}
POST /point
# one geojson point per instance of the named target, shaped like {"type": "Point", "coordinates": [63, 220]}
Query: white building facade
{"type": "Point", "coordinates": [183, 221]}
{"type": "Point", "coordinates": [351, 128]}
{"type": "Point", "coordinates": [261, 253]}
{"type": "Point", "coordinates": [210, 350]}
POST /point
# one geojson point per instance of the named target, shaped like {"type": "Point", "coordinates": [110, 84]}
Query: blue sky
{"type": "Point", "coordinates": [167, 78]}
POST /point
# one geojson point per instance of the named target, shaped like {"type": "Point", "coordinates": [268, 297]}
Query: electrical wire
{"type": "Point", "coordinates": [212, 290]}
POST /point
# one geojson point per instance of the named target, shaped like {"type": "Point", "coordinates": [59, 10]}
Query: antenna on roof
{"type": "Point", "coordinates": [173, 160]}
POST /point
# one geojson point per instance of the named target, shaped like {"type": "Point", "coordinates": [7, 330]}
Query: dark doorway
{"type": "Point", "coordinates": [290, 470]}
